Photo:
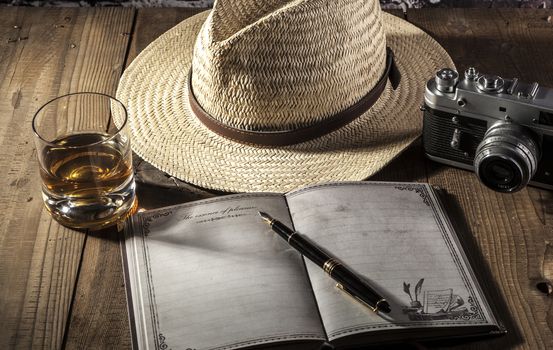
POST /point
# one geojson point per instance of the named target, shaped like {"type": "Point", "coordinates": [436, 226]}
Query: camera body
{"type": "Point", "coordinates": [499, 128]}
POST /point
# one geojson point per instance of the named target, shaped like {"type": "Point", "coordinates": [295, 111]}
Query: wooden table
{"type": "Point", "coordinates": [61, 288]}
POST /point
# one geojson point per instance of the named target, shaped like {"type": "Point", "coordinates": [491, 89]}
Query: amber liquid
{"type": "Point", "coordinates": [88, 180]}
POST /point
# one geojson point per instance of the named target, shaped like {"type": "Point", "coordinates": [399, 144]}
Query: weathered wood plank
{"type": "Point", "coordinates": [58, 51]}
{"type": "Point", "coordinates": [504, 231]}
{"type": "Point", "coordinates": [99, 318]}
{"type": "Point", "coordinates": [509, 229]}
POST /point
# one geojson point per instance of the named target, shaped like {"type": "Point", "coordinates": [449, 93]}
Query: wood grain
{"type": "Point", "coordinates": [509, 236]}
{"type": "Point", "coordinates": [510, 230]}
{"type": "Point", "coordinates": [504, 232]}
{"type": "Point", "coordinates": [99, 318]}
{"type": "Point", "coordinates": [44, 53]}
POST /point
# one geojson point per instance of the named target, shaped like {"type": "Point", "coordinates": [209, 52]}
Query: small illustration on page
{"type": "Point", "coordinates": [440, 304]}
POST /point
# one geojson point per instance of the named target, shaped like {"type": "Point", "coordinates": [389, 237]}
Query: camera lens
{"type": "Point", "coordinates": [507, 157]}
{"type": "Point", "coordinates": [500, 174]}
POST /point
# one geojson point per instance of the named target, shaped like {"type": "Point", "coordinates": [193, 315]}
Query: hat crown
{"type": "Point", "coordinates": [277, 65]}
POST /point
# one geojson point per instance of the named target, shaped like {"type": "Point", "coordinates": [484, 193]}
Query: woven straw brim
{"type": "Point", "coordinates": [166, 134]}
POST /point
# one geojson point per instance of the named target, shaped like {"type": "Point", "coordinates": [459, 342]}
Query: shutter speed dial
{"type": "Point", "coordinates": [446, 79]}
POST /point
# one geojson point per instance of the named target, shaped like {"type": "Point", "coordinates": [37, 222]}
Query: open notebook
{"type": "Point", "coordinates": [211, 275]}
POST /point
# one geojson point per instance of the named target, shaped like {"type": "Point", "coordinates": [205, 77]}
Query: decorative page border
{"type": "Point", "coordinates": [160, 340]}
{"type": "Point", "coordinates": [477, 313]}
{"type": "Point", "coordinates": [128, 286]}
{"type": "Point", "coordinates": [422, 189]}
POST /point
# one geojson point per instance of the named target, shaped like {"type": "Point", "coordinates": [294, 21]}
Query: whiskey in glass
{"type": "Point", "coordinates": [85, 160]}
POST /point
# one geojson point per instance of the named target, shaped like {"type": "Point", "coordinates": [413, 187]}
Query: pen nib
{"type": "Point", "coordinates": [266, 217]}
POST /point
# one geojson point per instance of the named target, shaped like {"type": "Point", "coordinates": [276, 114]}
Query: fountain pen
{"type": "Point", "coordinates": [348, 280]}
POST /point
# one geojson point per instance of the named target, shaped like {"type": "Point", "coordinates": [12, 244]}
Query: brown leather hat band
{"type": "Point", "coordinates": [283, 138]}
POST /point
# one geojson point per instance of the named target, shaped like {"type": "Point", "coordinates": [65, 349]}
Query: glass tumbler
{"type": "Point", "coordinates": [85, 160]}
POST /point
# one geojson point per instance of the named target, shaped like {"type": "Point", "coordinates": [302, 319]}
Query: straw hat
{"type": "Point", "coordinates": [273, 95]}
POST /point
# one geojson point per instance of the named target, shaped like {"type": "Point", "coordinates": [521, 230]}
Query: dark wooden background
{"type": "Point", "coordinates": [387, 4]}
{"type": "Point", "coordinates": [65, 289]}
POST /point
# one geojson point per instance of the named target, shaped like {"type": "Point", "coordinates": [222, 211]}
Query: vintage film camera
{"type": "Point", "coordinates": [499, 128]}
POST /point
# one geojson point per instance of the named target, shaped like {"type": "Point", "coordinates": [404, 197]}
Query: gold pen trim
{"type": "Point", "coordinates": [373, 308]}
{"type": "Point", "coordinates": [330, 265]}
